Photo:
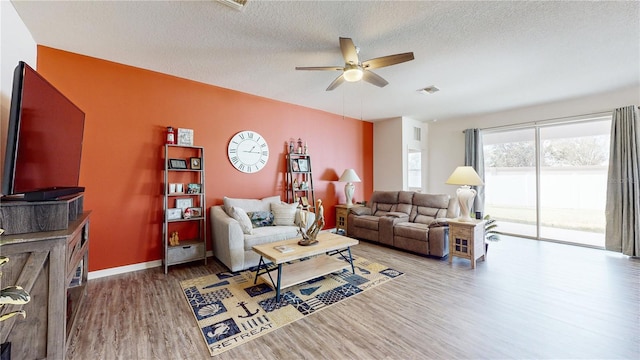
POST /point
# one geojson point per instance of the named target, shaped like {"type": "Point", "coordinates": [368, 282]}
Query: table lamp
{"type": "Point", "coordinates": [349, 176]}
{"type": "Point", "coordinates": [465, 176]}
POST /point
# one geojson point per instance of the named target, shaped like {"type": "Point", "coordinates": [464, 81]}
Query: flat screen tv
{"type": "Point", "coordinates": [44, 140]}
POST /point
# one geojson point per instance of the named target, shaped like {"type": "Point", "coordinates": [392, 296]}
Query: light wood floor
{"type": "Point", "coordinates": [528, 300]}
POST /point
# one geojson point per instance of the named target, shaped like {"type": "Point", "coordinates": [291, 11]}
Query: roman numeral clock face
{"type": "Point", "coordinates": [248, 151]}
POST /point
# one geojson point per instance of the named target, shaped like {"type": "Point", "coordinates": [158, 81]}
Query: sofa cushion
{"type": "Point", "coordinates": [367, 222]}
{"type": "Point", "coordinates": [428, 207]}
{"type": "Point", "coordinates": [269, 234]}
{"type": "Point", "coordinates": [260, 218]}
{"type": "Point", "coordinates": [249, 205]}
{"type": "Point", "coordinates": [412, 230]}
{"type": "Point", "coordinates": [284, 214]}
{"type": "Point", "coordinates": [242, 218]}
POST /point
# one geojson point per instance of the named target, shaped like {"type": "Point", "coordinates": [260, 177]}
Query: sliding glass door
{"type": "Point", "coordinates": [549, 181]}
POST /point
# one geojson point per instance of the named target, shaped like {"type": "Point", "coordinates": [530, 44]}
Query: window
{"type": "Point", "coordinates": [549, 181]}
{"type": "Point", "coordinates": [414, 169]}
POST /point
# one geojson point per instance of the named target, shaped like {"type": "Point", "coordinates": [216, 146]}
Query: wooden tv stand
{"type": "Point", "coordinates": [52, 266]}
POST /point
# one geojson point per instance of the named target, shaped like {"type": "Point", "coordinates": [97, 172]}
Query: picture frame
{"type": "Point", "coordinates": [174, 214]}
{"type": "Point", "coordinates": [196, 211]}
{"type": "Point", "coordinates": [196, 163]}
{"type": "Point", "coordinates": [177, 164]}
{"type": "Point", "coordinates": [303, 165]}
{"type": "Point", "coordinates": [184, 203]}
{"type": "Point", "coordinates": [185, 137]}
{"type": "Point", "coordinates": [175, 188]}
{"type": "Point", "coordinates": [304, 201]}
{"type": "Point", "coordinates": [294, 165]}
{"type": "Point", "coordinates": [194, 188]}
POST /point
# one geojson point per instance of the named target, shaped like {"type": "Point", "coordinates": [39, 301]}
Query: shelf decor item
{"type": "Point", "coordinates": [185, 137]}
{"type": "Point", "coordinates": [178, 164]}
{"type": "Point", "coordinates": [184, 203]}
{"type": "Point", "coordinates": [303, 164]}
{"type": "Point", "coordinates": [174, 214]}
{"type": "Point", "coordinates": [196, 163]}
{"type": "Point", "coordinates": [194, 188]}
{"type": "Point", "coordinates": [171, 135]}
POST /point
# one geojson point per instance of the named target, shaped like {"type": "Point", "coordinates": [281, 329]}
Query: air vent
{"type": "Point", "coordinates": [417, 134]}
{"type": "Point", "coordinates": [236, 4]}
{"type": "Point", "coordinates": [429, 90]}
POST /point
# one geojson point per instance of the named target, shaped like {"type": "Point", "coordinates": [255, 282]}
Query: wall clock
{"type": "Point", "coordinates": [248, 151]}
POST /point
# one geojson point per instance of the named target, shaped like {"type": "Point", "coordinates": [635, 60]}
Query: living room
{"type": "Point", "coordinates": [128, 109]}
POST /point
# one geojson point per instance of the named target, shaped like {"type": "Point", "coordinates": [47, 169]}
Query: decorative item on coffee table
{"type": "Point", "coordinates": [309, 236]}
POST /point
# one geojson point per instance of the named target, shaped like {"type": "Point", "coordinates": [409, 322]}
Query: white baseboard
{"type": "Point", "coordinates": [128, 268]}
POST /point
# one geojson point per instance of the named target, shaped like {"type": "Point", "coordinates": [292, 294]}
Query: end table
{"type": "Point", "coordinates": [342, 212]}
{"type": "Point", "coordinates": [466, 240]}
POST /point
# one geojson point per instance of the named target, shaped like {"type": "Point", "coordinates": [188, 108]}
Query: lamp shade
{"type": "Point", "coordinates": [464, 175]}
{"type": "Point", "coordinates": [349, 175]}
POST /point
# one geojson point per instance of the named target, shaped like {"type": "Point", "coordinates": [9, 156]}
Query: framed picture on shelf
{"type": "Point", "coordinates": [304, 201]}
{"type": "Point", "coordinates": [185, 137]}
{"type": "Point", "coordinates": [184, 203]}
{"type": "Point", "coordinates": [194, 188]}
{"type": "Point", "coordinates": [196, 211]}
{"type": "Point", "coordinates": [303, 164]}
{"type": "Point", "coordinates": [294, 165]}
{"type": "Point", "coordinates": [196, 163]}
{"type": "Point", "coordinates": [176, 188]}
{"type": "Point", "coordinates": [174, 214]}
{"type": "Point", "coordinates": [179, 164]}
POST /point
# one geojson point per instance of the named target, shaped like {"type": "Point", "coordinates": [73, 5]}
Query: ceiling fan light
{"type": "Point", "coordinates": [352, 74]}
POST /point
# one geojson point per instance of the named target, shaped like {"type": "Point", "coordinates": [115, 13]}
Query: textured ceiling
{"type": "Point", "coordinates": [484, 56]}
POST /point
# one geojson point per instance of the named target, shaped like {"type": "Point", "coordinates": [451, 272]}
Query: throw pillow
{"type": "Point", "coordinates": [261, 218]}
{"type": "Point", "coordinates": [284, 214]}
{"type": "Point", "coordinates": [242, 217]}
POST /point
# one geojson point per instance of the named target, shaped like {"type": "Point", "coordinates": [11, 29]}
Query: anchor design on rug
{"type": "Point", "coordinates": [249, 313]}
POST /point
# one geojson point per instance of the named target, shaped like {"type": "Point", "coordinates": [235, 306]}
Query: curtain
{"type": "Point", "coordinates": [622, 210]}
{"type": "Point", "coordinates": [474, 157]}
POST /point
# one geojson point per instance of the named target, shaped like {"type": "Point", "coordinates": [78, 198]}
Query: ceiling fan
{"type": "Point", "coordinates": [354, 70]}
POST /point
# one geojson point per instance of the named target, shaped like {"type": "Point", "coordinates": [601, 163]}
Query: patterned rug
{"type": "Point", "coordinates": [230, 310]}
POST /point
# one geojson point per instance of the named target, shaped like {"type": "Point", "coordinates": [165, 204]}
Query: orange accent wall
{"type": "Point", "coordinates": [127, 112]}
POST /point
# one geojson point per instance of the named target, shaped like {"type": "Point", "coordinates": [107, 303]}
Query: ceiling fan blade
{"type": "Point", "coordinates": [349, 51]}
{"type": "Point", "coordinates": [339, 80]}
{"type": "Point", "coordinates": [340, 68]}
{"type": "Point", "coordinates": [387, 60]}
{"type": "Point", "coordinates": [374, 79]}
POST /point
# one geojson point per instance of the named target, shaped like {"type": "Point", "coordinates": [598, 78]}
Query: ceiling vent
{"type": "Point", "coordinates": [236, 4]}
{"type": "Point", "coordinates": [429, 90]}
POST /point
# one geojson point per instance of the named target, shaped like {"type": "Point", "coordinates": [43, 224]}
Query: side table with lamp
{"type": "Point", "coordinates": [466, 235]}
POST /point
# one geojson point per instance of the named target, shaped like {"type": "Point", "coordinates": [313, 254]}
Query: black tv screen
{"type": "Point", "coordinates": [44, 138]}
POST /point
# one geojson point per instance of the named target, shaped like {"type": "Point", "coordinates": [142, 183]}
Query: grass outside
{"type": "Point", "coordinates": [589, 220]}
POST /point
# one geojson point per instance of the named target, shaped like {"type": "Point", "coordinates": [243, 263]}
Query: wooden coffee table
{"type": "Point", "coordinates": [328, 244]}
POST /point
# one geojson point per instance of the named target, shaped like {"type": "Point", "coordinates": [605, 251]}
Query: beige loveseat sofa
{"type": "Point", "coordinates": [240, 224]}
{"type": "Point", "coordinates": [406, 220]}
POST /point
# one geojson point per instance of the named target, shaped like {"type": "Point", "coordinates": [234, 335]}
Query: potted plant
{"type": "Point", "coordinates": [490, 232]}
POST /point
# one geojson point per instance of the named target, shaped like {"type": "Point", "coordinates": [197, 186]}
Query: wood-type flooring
{"type": "Point", "coordinates": [530, 299]}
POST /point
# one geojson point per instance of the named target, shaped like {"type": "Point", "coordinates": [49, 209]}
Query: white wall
{"type": "Point", "coordinates": [387, 154]}
{"type": "Point", "coordinates": [446, 140]}
{"type": "Point", "coordinates": [409, 143]}
{"type": "Point", "coordinates": [17, 44]}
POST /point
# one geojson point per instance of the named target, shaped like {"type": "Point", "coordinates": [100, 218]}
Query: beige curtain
{"type": "Point", "coordinates": [623, 187]}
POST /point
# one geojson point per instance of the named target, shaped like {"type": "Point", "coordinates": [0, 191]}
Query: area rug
{"type": "Point", "coordinates": [230, 310]}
